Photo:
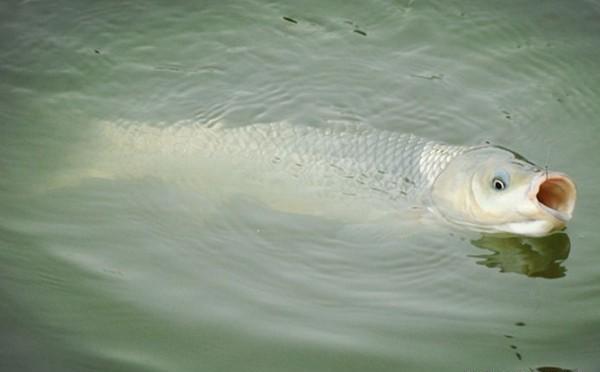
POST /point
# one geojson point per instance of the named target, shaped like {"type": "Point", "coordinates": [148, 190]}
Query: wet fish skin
{"type": "Point", "coordinates": [402, 165]}
{"type": "Point", "coordinates": [457, 183]}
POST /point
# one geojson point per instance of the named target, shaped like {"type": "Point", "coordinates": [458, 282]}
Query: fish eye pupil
{"type": "Point", "coordinates": [498, 184]}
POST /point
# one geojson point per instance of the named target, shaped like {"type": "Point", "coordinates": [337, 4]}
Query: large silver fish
{"type": "Point", "coordinates": [483, 188]}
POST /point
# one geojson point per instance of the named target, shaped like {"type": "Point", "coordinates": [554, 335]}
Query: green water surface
{"type": "Point", "coordinates": [147, 275]}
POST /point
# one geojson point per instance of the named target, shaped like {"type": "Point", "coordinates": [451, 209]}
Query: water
{"type": "Point", "coordinates": [151, 274]}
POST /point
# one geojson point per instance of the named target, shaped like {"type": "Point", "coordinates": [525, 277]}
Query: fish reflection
{"type": "Point", "coordinates": [534, 257]}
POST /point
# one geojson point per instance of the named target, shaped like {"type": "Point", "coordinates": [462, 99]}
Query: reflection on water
{"type": "Point", "coordinates": [534, 257]}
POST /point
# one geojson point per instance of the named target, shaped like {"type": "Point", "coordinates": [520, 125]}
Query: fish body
{"type": "Point", "coordinates": [404, 166]}
{"type": "Point", "coordinates": [483, 188]}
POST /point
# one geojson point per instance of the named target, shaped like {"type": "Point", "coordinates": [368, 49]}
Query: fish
{"type": "Point", "coordinates": [485, 188]}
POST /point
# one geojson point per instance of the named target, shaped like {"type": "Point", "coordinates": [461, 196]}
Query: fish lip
{"type": "Point", "coordinates": [554, 194]}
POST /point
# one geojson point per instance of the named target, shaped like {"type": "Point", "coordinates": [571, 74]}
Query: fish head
{"type": "Point", "coordinates": [492, 189]}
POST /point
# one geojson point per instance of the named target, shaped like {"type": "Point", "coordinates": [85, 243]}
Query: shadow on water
{"type": "Point", "coordinates": [534, 257]}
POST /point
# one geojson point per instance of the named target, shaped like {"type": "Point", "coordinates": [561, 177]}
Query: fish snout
{"type": "Point", "coordinates": [554, 194]}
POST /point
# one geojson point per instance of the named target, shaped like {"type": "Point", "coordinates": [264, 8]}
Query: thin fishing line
{"type": "Point", "coordinates": [549, 147]}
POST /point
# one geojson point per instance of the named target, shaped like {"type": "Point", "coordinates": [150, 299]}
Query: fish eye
{"type": "Point", "coordinates": [498, 184]}
{"type": "Point", "coordinates": [500, 181]}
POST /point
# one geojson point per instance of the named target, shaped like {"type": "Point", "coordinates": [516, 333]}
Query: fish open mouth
{"type": "Point", "coordinates": [555, 194]}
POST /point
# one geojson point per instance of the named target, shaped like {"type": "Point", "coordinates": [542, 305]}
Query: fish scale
{"type": "Point", "coordinates": [399, 165]}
